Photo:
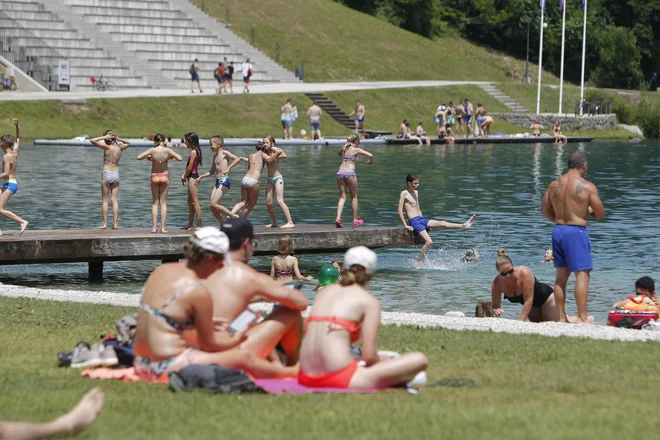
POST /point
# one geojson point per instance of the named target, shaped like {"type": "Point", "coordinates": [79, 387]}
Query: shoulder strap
{"type": "Point", "coordinates": [178, 294]}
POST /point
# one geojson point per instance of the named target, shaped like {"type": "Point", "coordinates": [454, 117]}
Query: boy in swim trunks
{"type": "Point", "coordinates": [221, 168]}
{"type": "Point", "coordinates": [9, 165]}
{"type": "Point", "coordinates": [409, 200]}
{"type": "Point", "coordinates": [359, 116]}
{"type": "Point", "coordinates": [480, 115]}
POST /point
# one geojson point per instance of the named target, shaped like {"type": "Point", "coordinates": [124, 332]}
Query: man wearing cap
{"type": "Point", "coordinates": [236, 285]}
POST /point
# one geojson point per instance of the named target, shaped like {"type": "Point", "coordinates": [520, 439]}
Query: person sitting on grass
{"type": "Point", "coordinates": [175, 299]}
{"type": "Point", "coordinates": [340, 313]}
{"type": "Point", "coordinates": [284, 265]}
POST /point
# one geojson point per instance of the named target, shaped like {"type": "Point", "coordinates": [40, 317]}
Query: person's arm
{"type": "Point", "coordinates": [402, 201]}
{"type": "Point", "coordinates": [528, 294]}
{"type": "Point", "coordinates": [207, 338]}
{"type": "Point", "coordinates": [17, 142]}
{"type": "Point", "coordinates": [596, 205]}
{"type": "Point", "coordinates": [366, 153]}
{"type": "Point", "coordinates": [124, 143]}
{"type": "Point", "coordinates": [5, 167]}
{"type": "Point", "coordinates": [273, 291]}
{"type": "Point", "coordinates": [174, 154]}
{"type": "Point", "coordinates": [370, 329]}
{"type": "Point", "coordinates": [273, 157]}
{"type": "Point", "coordinates": [102, 145]}
{"type": "Point", "coordinates": [496, 298]}
{"type": "Point", "coordinates": [296, 270]}
{"type": "Point", "coordinates": [144, 154]}
{"type": "Point", "coordinates": [191, 161]}
{"type": "Point", "coordinates": [235, 161]}
{"type": "Point", "coordinates": [281, 154]}
{"type": "Point", "coordinates": [272, 268]}
{"type": "Point", "coordinates": [546, 205]}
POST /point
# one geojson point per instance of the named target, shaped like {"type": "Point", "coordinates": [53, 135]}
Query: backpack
{"type": "Point", "coordinates": [212, 378]}
{"type": "Point", "coordinates": [219, 72]}
{"type": "Point", "coordinates": [249, 73]}
{"type": "Point", "coordinates": [192, 69]}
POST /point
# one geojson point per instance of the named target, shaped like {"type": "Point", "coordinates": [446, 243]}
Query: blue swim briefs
{"type": "Point", "coordinates": [11, 186]}
{"type": "Point", "coordinates": [571, 247]}
{"type": "Point", "coordinates": [419, 224]}
{"type": "Point", "coordinates": [223, 181]}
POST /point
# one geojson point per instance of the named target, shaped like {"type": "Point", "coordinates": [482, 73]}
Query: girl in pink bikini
{"type": "Point", "coordinates": [160, 178]}
{"type": "Point", "coordinates": [284, 265]}
{"type": "Point", "coordinates": [340, 313]}
{"type": "Point", "coordinates": [190, 176]}
{"type": "Point", "coordinates": [346, 177]}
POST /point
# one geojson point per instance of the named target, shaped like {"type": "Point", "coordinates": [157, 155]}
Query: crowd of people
{"type": "Point", "coordinates": [223, 74]}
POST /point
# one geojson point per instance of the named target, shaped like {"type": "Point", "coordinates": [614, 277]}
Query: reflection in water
{"type": "Point", "coordinates": [503, 184]}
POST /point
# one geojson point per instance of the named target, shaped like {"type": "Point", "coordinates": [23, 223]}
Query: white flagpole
{"type": "Point", "coordinates": [538, 95]}
{"type": "Point", "coordinates": [584, 53]}
{"type": "Point", "coordinates": [561, 73]}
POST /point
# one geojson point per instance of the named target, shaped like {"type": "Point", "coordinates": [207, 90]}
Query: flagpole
{"type": "Point", "coordinates": [584, 54]}
{"type": "Point", "coordinates": [538, 95]}
{"type": "Point", "coordinates": [563, 44]}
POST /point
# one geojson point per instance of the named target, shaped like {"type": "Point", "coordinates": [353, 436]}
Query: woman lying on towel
{"type": "Point", "coordinates": [339, 313]}
{"type": "Point", "coordinates": [173, 300]}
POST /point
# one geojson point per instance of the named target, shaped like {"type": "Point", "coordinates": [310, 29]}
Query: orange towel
{"type": "Point", "coordinates": [125, 374]}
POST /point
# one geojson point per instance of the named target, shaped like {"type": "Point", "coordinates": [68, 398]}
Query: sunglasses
{"type": "Point", "coordinates": [507, 273]}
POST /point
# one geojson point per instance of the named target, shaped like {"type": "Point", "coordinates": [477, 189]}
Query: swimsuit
{"type": "Point", "coordinates": [111, 177]}
{"type": "Point", "coordinates": [222, 181]}
{"type": "Point", "coordinates": [283, 273]}
{"type": "Point", "coordinates": [346, 174]}
{"type": "Point", "coordinates": [340, 378]}
{"type": "Point", "coordinates": [419, 224]}
{"type": "Point", "coordinates": [571, 247]}
{"type": "Point", "coordinates": [160, 178]}
{"type": "Point", "coordinates": [480, 120]}
{"type": "Point", "coordinates": [314, 125]}
{"type": "Point", "coordinates": [193, 171]}
{"type": "Point", "coordinates": [248, 182]}
{"type": "Point", "coordinates": [273, 180]}
{"type": "Point", "coordinates": [541, 294]}
{"type": "Point", "coordinates": [11, 185]}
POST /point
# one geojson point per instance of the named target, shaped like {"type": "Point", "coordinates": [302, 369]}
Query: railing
{"type": "Point", "coordinates": [258, 38]}
{"type": "Point", "coordinates": [569, 107]}
{"type": "Point", "coordinates": [29, 53]}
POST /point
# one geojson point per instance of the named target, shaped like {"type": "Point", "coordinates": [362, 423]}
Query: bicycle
{"type": "Point", "coordinates": [585, 107]}
{"type": "Point", "coordinates": [103, 86]}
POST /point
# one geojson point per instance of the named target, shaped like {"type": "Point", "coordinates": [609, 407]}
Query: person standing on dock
{"type": "Point", "coordinates": [220, 167]}
{"type": "Point", "coordinates": [568, 203]}
{"type": "Point", "coordinates": [250, 183]}
{"type": "Point", "coordinates": [275, 183]}
{"type": "Point", "coordinates": [112, 147]}
{"type": "Point", "coordinates": [9, 165]}
{"type": "Point", "coordinates": [409, 201]}
{"type": "Point", "coordinates": [480, 116]}
{"type": "Point", "coordinates": [286, 118]}
{"type": "Point", "coordinates": [190, 177]}
{"type": "Point", "coordinates": [314, 113]}
{"type": "Point", "coordinates": [359, 116]}
{"type": "Point", "coordinates": [469, 109]}
{"type": "Point", "coordinates": [347, 178]}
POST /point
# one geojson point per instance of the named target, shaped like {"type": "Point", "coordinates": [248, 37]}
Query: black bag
{"type": "Point", "coordinates": [212, 378]}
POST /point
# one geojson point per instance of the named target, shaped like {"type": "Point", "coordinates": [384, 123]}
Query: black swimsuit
{"type": "Point", "coordinates": [541, 294]}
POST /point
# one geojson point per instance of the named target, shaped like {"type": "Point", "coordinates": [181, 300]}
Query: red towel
{"type": "Point", "coordinates": [125, 374]}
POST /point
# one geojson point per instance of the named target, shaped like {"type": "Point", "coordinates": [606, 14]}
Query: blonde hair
{"type": "Point", "coordinates": [502, 258]}
{"type": "Point", "coordinates": [285, 246]}
{"type": "Point", "coordinates": [194, 253]}
{"type": "Point", "coordinates": [356, 274]}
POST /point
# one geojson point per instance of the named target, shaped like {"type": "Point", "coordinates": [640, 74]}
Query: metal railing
{"type": "Point", "coordinates": [29, 53]}
{"type": "Point", "coordinates": [257, 38]}
{"type": "Point", "coordinates": [569, 107]}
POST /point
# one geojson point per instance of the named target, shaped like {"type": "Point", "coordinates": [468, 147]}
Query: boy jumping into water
{"type": "Point", "coordinates": [409, 199]}
{"type": "Point", "coordinates": [221, 168]}
{"type": "Point", "coordinates": [9, 164]}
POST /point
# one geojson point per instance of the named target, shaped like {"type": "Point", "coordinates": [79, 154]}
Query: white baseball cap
{"type": "Point", "coordinates": [211, 239]}
{"type": "Point", "coordinates": [363, 256]}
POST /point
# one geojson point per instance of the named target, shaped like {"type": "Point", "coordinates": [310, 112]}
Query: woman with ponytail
{"type": "Point", "coordinates": [190, 176]}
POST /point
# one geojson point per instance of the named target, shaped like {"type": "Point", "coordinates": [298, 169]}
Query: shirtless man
{"type": "Point", "coordinates": [568, 203]}
{"type": "Point", "coordinates": [236, 285]}
{"type": "Point", "coordinates": [421, 134]}
{"type": "Point", "coordinates": [112, 147]}
{"type": "Point", "coordinates": [9, 165]}
{"type": "Point", "coordinates": [409, 200]}
{"type": "Point", "coordinates": [221, 168]}
{"type": "Point", "coordinates": [314, 114]}
{"type": "Point", "coordinates": [286, 119]}
{"type": "Point", "coordinates": [359, 116]}
{"type": "Point", "coordinates": [536, 128]}
{"type": "Point", "coordinates": [275, 183]}
{"type": "Point", "coordinates": [480, 115]}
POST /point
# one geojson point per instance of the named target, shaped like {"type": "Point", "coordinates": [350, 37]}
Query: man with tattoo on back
{"type": "Point", "coordinates": [568, 203]}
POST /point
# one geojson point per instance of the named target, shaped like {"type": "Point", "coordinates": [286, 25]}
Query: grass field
{"type": "Point", "coordinates": [341, 44]}
{"type": "Point", "coordinates": [528, 386]}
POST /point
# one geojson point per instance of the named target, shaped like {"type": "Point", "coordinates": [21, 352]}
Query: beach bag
{"type": "Point", "coordinates": [192, 69]}
{"type": "Point", "coordinates": [213, 379]}
{"type": "Point", "coordinates": [249, 72]}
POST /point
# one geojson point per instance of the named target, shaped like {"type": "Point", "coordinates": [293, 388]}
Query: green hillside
{"type": "Point", "coordinates": [340, 44]}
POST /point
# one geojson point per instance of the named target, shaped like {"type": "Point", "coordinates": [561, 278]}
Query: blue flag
{"type": "Point", "coordinates": [562, 5]}
{"type": "Point", "coordinates": [542, 4]}
{"type": "Point", "coordinates": [583, 5]}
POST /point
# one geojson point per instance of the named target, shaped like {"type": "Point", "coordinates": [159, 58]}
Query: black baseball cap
{"type": "Point", "coordinates": [237, 228]}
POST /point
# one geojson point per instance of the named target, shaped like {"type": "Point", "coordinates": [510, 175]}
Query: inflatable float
{"type": "Point", "coordinates": [633, 312]}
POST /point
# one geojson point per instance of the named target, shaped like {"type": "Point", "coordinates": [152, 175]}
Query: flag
{"type": "Point", "coordinates": [584, 5]}
{"type": "Point", "coordinates": [542, 4]}
{"type": "Point", "coordinates": [562, 4]}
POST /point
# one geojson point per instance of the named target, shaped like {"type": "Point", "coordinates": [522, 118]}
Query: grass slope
{"type": "Point", "coordinates": [340, 44]}
{"type": "Point", "coordinates": [528, 386]}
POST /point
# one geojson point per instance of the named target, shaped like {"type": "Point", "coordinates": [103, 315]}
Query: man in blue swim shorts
{"type": "Point", "coordinates": [359, 116]}
{"type": "Point", "coordinates": [569, 201]}
{"type": "Point", "coordinates": [409, 200]}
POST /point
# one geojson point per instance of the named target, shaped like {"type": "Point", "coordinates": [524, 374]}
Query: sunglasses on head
{"type": "Point", "coordinates": [507, 273]}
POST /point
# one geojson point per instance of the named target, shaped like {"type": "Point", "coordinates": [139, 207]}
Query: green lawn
{"type": "Point", "coordinates": [341, 44]}
{"type": "Point", "coordinates": [528, 386]}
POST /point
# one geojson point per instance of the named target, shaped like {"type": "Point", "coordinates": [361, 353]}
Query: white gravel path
{"type": "Point", "coordinates": [553, 329]}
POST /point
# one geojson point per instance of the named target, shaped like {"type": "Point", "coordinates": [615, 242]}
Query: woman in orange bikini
{"type": "Point", "coordinates": [284, 265]}
{"type": "Point", "coordinates": [159, 154]}
{"type": "Point", "coordinates": [339, 313]}
{"type": "Point", "coordinates": [190, 176]}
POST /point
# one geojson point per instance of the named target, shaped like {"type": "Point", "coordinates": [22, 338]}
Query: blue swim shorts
{"type": "Point", "coordinates": [194, 76]}
{"type": "Point", "coordinates": [467, 119]}
{"type": "Point", "coordinates": [223, 181]}
{"type": "Point", "coordinates": [11, 186]}
{"type": "Point", "coordinates": [419, 224]}
{"type": "Point", "coordinates": [358, 119]}
{"type": "Point", "coordinates": [314, 125]}
{"type": "Point", "coordinates": [480, 120]}
{"type": "Point", "coordinates": [286, 123]}
{"type": "Point", "coordinates": [571, 247]}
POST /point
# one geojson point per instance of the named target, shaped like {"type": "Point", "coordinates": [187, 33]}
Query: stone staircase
{"type": "Point", "coordinates": [331, 109]}
{"type": "Point", "coordinates": [504, 99]}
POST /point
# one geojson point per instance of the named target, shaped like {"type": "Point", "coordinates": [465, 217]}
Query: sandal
{"type": "Point", "coordinates": [358, 223]}
{"type": "Point", "coordinates": [339, 223]}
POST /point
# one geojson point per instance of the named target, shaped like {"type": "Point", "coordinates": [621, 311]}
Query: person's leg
{"type": "Point", "coordinates": [105, 190]}
{"type": "Point", "coordinates": [238, 359]}
{"type": "Point", "coordinates": [252, 198]}
{"type": "Point", "coordinates": [549, 309]}
{"type": "Point", "coordinates": [191, 211]}
{"type": "Point", "coordinates": [279, 194]}
{"type": "Point", "coordinates": [192, 86]}
{"type": "Point", "coordinates": [390, 372]}
{"type": "Point", "coordinates": [155, 194]}
{"type": "Point", "coordinates": [352, 184]}
{"type": "Point", "coordinates": [199, 85]}
{"type": "Point", "coordinates": [240, 205]}
{"type": "Point", "coordinates": [114, 195]}
{"type": "Point", "coordinates": [164, 190]}
{"type": "Point", "coordinates": [560, 291]}
{"type": "Point", "coordinates": [270, 191]}
{"type": "Point", "coordinates": [427, 245]}
{"type": "Point", "coordinates": [216, 208]}
{"type": "Point", "coordinates": [535, 315]}
{"type": "Point", "coordinates": [448, 225]}
{"type": "Point", "coordinates": [342, 197]}
{"type": "Point", "coordinates": [283, 326]}
{"type": "Point", "coordinates": [357, 127]}
{"type": "Point", "coordinates": [582, 278]}
{"type": "Point", "coordinates": [4, 199]}
{"type": "Point", "coordinates": [193, 193]}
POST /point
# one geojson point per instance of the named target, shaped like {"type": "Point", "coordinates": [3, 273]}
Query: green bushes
{"type": "Point", "coordinates": [648, 117]}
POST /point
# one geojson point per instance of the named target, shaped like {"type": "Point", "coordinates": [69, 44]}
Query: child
{"type": "Point", "coordinates": [275, 184]}
{"type": "Point", "coordinates": [221, 168]}
{"type": "Point", "coordinates": [9, 165]}
{"type": "Point", "coordinates": [285, 265]}
{"type": "Point", "coordinates": [449, 135]}
{"type": "Point", "coordinates": [112, 147]}
{"type": "Point", "coordinates": [250, 183]}
{"type": "Point", "coordinates": [409, 199]}
{"type": "Point", "coordinates": [190, 176]}
{"type": "Point", "coordinates": [347, 178]}
{"type": "Point", "coordinates": [160, 178]}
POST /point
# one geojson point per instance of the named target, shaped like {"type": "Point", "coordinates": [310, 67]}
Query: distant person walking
{"type": "Point", "coordinates": [568, 203]}
{"type": "Point", "coordinates": [359, 116]}
{"type": "Point", "coordinates": [219, 75]}
{"type": "Point", "coordinates": [314, 114]}
{"type": "Point", "coordinates": [286, 117]}
{"type": "Point", "coordinates": [194, 76]}
{"type": "Point", "coordinates": [247, 74]}
{"type": "Point", "coordinates": [229, 77]}
{"type": "Point", "coordinates": [9, 165]}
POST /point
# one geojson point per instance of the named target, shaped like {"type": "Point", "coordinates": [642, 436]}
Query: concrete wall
{"type": "Point", "coordinates": [23, 81]}
{"type": "Point", "coordinates": [568, 122]}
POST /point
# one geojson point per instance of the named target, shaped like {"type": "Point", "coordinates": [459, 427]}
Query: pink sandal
{"type": "Point", "coordinates": [339, 223]}
{"type": "Point", "coordinates": [360, 222]}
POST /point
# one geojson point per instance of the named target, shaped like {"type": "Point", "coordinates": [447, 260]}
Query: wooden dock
{"type": "Point", "coordinates": [94, 246]}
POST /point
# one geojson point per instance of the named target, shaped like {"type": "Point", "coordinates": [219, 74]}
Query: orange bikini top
{"type": "Point", "coordinates": [352, 327]}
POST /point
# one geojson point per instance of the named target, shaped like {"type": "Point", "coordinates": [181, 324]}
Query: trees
{"type": "Point", "coordinates": [619, 59]}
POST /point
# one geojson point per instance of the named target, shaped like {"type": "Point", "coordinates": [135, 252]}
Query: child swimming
{"type": "Point", "coordinates": [112, 147]}
{"type": "Point", "coordinates": [159, 154]}
{"type": "Point", "coordinates": [190, 176]}
{"type": "Point", "coordinates": [9, 165]}
{"type": "Point", "coordinates": [346, 177]}
{"type": "Point", "coordinates": [284, 265]}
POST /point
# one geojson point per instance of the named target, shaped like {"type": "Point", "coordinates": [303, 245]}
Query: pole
{"type": "Point", "coordinates": [561, 70]}
{"type": "Point", "coordinates": [584, 53]}
{"type": "Point", "coordinates": [538, 94]}
{"type": "Point", "coordinates": [529, 20]}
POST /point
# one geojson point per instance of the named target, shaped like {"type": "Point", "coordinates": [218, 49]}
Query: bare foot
{"type": "Point", "coordinates": [0, 232]}
{"type": "Point", "coordinates": [468, 224]}
{"type": "Point", "coordinates": [288, 225]}
{"type": "Point", "coordinates": [164, 231]}
{"type": "Point", "coordinates": [187, 228]}
{"type": "Point", "coordinates": [115, 226]}
{"type": "Point", "coordinates": [23, 227]}
{"type": "Point", "coordinates": [103, 227]}
{"type": "Point", "coordinates": [154, 230]}
{"type": "Point", "coordinates": [575, 320]}
{"type": "Point", "coordinates": [272, 225]}
{"type": "Point", "coordinates": [235, 215]}
{"type": "Point", "coordinates": [84, 413]}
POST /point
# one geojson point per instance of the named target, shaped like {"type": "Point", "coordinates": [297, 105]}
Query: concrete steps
{"type": "Point", "coordinates": [504, 99]}
{"type": "Point", "coordinates": [331, 109]}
